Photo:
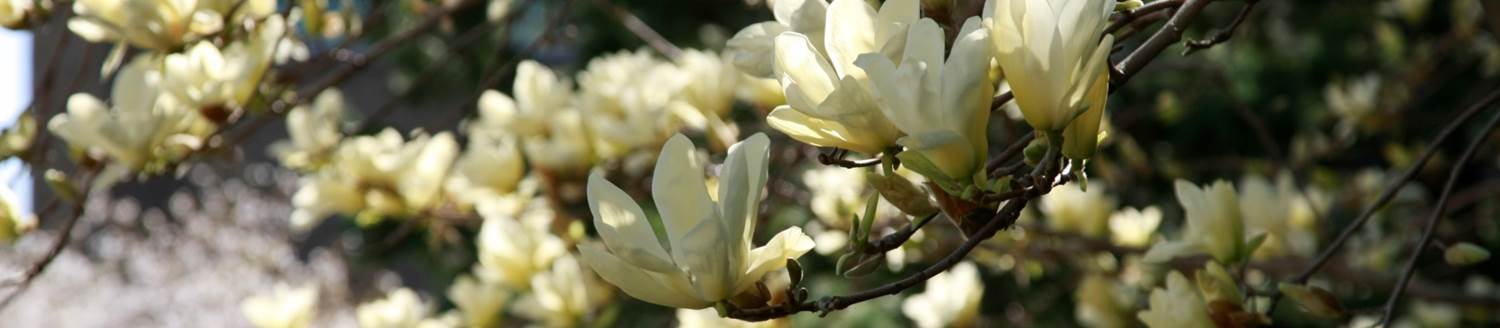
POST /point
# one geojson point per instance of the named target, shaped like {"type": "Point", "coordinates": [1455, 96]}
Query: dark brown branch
{"type": "Point", "coordinates": [1010, 152]}
{"type": "Point", "coordinates": [1222, 35]}
{"type": "Point", "coordinates": [896, 239]}
{"type": "Point", "coordinates": [836, 158]}
{"type": "Point", "coordinates": [1129, 18]}
{"type": "Point", "coordinates": [492, 78]}
{"type": "Point", "coordinates": [1163, 38]}
{"type": "Point", "coordinates": [1432, 220]}
{"type": "Point", "coordinates": [1001, 99]}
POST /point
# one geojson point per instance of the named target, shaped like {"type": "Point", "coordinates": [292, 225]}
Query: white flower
{"type": "Point", "coordinates": [478, 302]}
{"type": "Point", "coordinates": [497, 10]}
{"type": "Point", "coordinates": [313, 131]}
{"type": "Point", "coordinates": [1100, 303]}
{"type": "Point", "coordinates": [1353, 101]}
{"type": "Point", "coordinates": [752, 47]}
{"type": "Point", "coordinates": [951, 299]}
{"type": "Point", "coordinates": [1179, 305]}
{"type": "Point", "coordinates": [139, 133]}
{"type": "Point", "coordinates": [829, 103]}
{"type": "Point", "coordinates": [837, 194]}
{"type": "Point", "coordinates": [399, 309]}
{"type": "Point", "coordinates": [1053, 55]}
{"type": "Point", "coordinates": [13, 222]}
{"type": "Point", "coordinates": [515, 246]}
{"type": "Point", "coordinates": [160, 25]}
{"type": "Point", "coordinates": [1283, 213]}
{"type": "Point", "coordinates": [712, 82]}
{"type": "Point", "coordinates": [559, 297]}
{"type": "Point", "coordinates": [1134, 227]}
{"type": "Point", "coordinates": [1214, 225]}
{"type": "Point", "coordinates": [206, 78]}
{"type": "Point", "coordinates": [377, 176]}
{"type": "Point", "coordinates": [1071, 209]}
{"type": "Point", "coordinates": [942, 107]}
{"type": "Point", "coordinates": [489, 169]}
{"type": "Point", "coordinates": [284, 307]}
{"type": "Point", "coordinates": [705, 256]}
{"type": "Point", "coordinates": [550, 129]}
{"type": "Point", "coordinates": [627, 98]}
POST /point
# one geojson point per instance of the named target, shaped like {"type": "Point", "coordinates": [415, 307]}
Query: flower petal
{"type": "Point", "coordinates": [741, 186]}
{"type": "Point", "coordinates": [787, 244]}
{"type": "Point", "coordinates": [624, 227]}
{"type": "Point", "coordinates": [635, 282]}
{"type": "Point", "coordinates": [680, 192]}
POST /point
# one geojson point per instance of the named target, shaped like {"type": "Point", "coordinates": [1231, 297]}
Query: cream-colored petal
{"type": "Point", "coordinates": [752, 49]}
{"type": "Point", "coordinates": [894, 18]}
{"type": "Point", "coordinates": [741, 185]}
{"type": "Point", "coordinates": [799, 63]}
{"type": "Point", "coordinates": [1082, 136]}
{"type": "Point", "coordinates": [787, 244]}
{"type": "Point", "coordinates": [848, 33]}
{"type": "Point", "coordinates": [967, 86]}
{"type": "Point", "coordinates": [705, 254]}
{"type": "Point", "coordinates": [635, 282]}
{"type": "Point", "coordinates": [624, 227]}
{"type": "Point", "coordinates": [814, 131]}
{"type": "Point", "coordinates": [678, 188]}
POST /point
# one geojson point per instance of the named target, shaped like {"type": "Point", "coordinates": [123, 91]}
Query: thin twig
{"type": "Point", "coordinates": [896, 239]}
{"type": "Point", "coordinates": [1222, 35]}
{"type": "Point", "coordinates": [1432, 220]}
{"type": "Point", "coordinates": [23, 282]}
{"type": "Point", "coordinates": [1163, 38]}
{"type": "Point", "coordinates": [492, 78]}
{"type": "Point", "coordinates": [1130, 17]}
{"type": "Point", "coordinates": [641, 30]}
{"type": "Point", "coordinates": [836, 158]}
{"type": "Point", "coordinates": [1010, 152]}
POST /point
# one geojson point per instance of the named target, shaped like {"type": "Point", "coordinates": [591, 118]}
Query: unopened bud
{"type": "Point", "coordinates": [1314, 300]}
{"type": "Point", "coordinates": [902, 193]}
{"type": "Point", "coordinates": [1465, 254]}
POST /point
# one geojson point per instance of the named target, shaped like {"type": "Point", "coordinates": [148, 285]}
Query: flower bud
{"type": "Point", "coordinates": [1314, 300]}
{"type": "Point", "coordinates": [1465, 254]}
{"type": "Point", "coordinates": [902, 193]}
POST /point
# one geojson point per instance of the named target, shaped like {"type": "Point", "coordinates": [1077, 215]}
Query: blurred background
{"type": "Point", "coordinates": [1327, 100]}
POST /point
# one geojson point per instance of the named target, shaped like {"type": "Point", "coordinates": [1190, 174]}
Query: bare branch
{"type": "Point", "coordinates": [1432, 220]}
{"type": "Point", "coordinates": [1222, 35]}
{"type": "Point", "coordinates": [1163, 38]}
{"type": "Point", "coordinates": [641, 30]}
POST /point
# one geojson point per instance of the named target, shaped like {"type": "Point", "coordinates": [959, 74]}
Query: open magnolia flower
{"type": "Point", "coordinates": [376, 177]}
{"type": "Point", "coordinates": [217, 81]}
{"type": "Point", "coordinates": [284, 307]}
{"type": "Point", "coordinates": [752, 48]}
{"type": "Point", "coordinates": [1177, 305]}
{"type": "Point", "coordinates": [138, 133]}
{"type": "Point", "coordinates": [829, 103]}
{"type": "Point", "coordinates": [704, 256]}
{"type": "Point", "coordinates": [942, 107]}
{"type": "Point", "coordinates": [627, 97]}
{"type": "Point", "coordinates": [549, 128]}
{"type": "Point", "coordinates": [159, 24]}
{"type": "Point", "coordinates": [13, 222]}
{"type": "Point", "coordinates": [562, 295]}
{"type": "Point", "coordinates": [951, 299]}
{"type": "Point", "coordinates": [1214, 226]}
{"type": "Point", "coordinates": [1056, 61]}
{"type": "Point", "coordinates": [313, 132]}
{"type": "Point", "coordinates": [489, 171]}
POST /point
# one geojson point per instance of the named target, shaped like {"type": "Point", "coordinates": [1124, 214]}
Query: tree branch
{"type": "Point", "coordinates": [1163, 38]}
{"type": "Point", "coordinates": [1432, 220]}
{"type": "Point", "coordinates": [641, 30]}
{"type": "Point", "coordinates": [1222, 35]}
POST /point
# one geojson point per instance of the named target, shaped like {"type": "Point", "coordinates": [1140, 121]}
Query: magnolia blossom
{"type": "Point", "coordinates": [137, 133]}
{"type": "Point", "coordinates": [13, 13]}
{"type": "Point", "coordinates": [313, 131]}
{"type": "Point", "coordinates": [548, 126]}
{"type": "Point", "coordinates": [1353, 101]}
{"type": "Point", "coordinates": [1071, 209]}
{"type": "Point", "coordinates": [752, 48]}
{"type": "Point", "coordinates": [1283, 213]}
{"type": "Point", "coordinates": [13, 222]}
{"type": "Point", "coordinates": [400, 309]}
{"type": "Point", "coordinates": [942, 107]}
{"type": "Point", "coordinates": [1055, 58]}
{"type": "Point", "coordinates": [159, 24]}
{"type": "Point", "coordinates": [489, 170]}
{"type": "Point", "coordinates": [478, 302]}
{"type": "Point", "coordinates": [1178, 305]}
{"type": "Point", "coordinates": [377, 176]}
{"type": "Point", "coordinates": [515, 246]}
{"type": "Point", "coordinates": [838, 195]}
{"type": "Point", "coordinates": [284, 307]}
{"type": "Point", "coordinates": [1134, 227]}
{"type": "Point", "coordinates": [829, 101]}
{"type": "Point", "coordinates": [559, 297]}
{"type": "Point", "coordinates": [711, 82]}
{"type": "Point", "coordinates": [705, 256]}
{"type": "Point", "coordinates": [627, 97]}
{"type": "Point", "coordinates": [206, 78]}
{"type": "Point", "coordinates": [1101, 303]}
{"type": "Point", "coordinates": [951, 299]}
{"type": "Point", "coordinates": [1214, 225]}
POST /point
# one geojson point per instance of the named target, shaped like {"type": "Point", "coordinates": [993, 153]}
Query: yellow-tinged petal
{"type": "Point", "coordinates": [787, 244]}
{"type": "Point", "coordinates": [623, 226]}
{"type": "Point", "coordinates": [679, 190]}
{"type": "Point", "coordinates": [1082, 136]}
{"type": "Point", "coordinates": [815, 131]}
{"type": "Point", "coordinates": [804, 69]}
{"type": "Point", "coordinates": [741, 186]}
{"type": "Point", "coordinates": [848, 33]}
{"type": "Point", "coordinates": [637, 283]}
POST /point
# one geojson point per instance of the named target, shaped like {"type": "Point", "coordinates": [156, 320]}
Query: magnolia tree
{"type": "Point", "coordinates": [930, 163]}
